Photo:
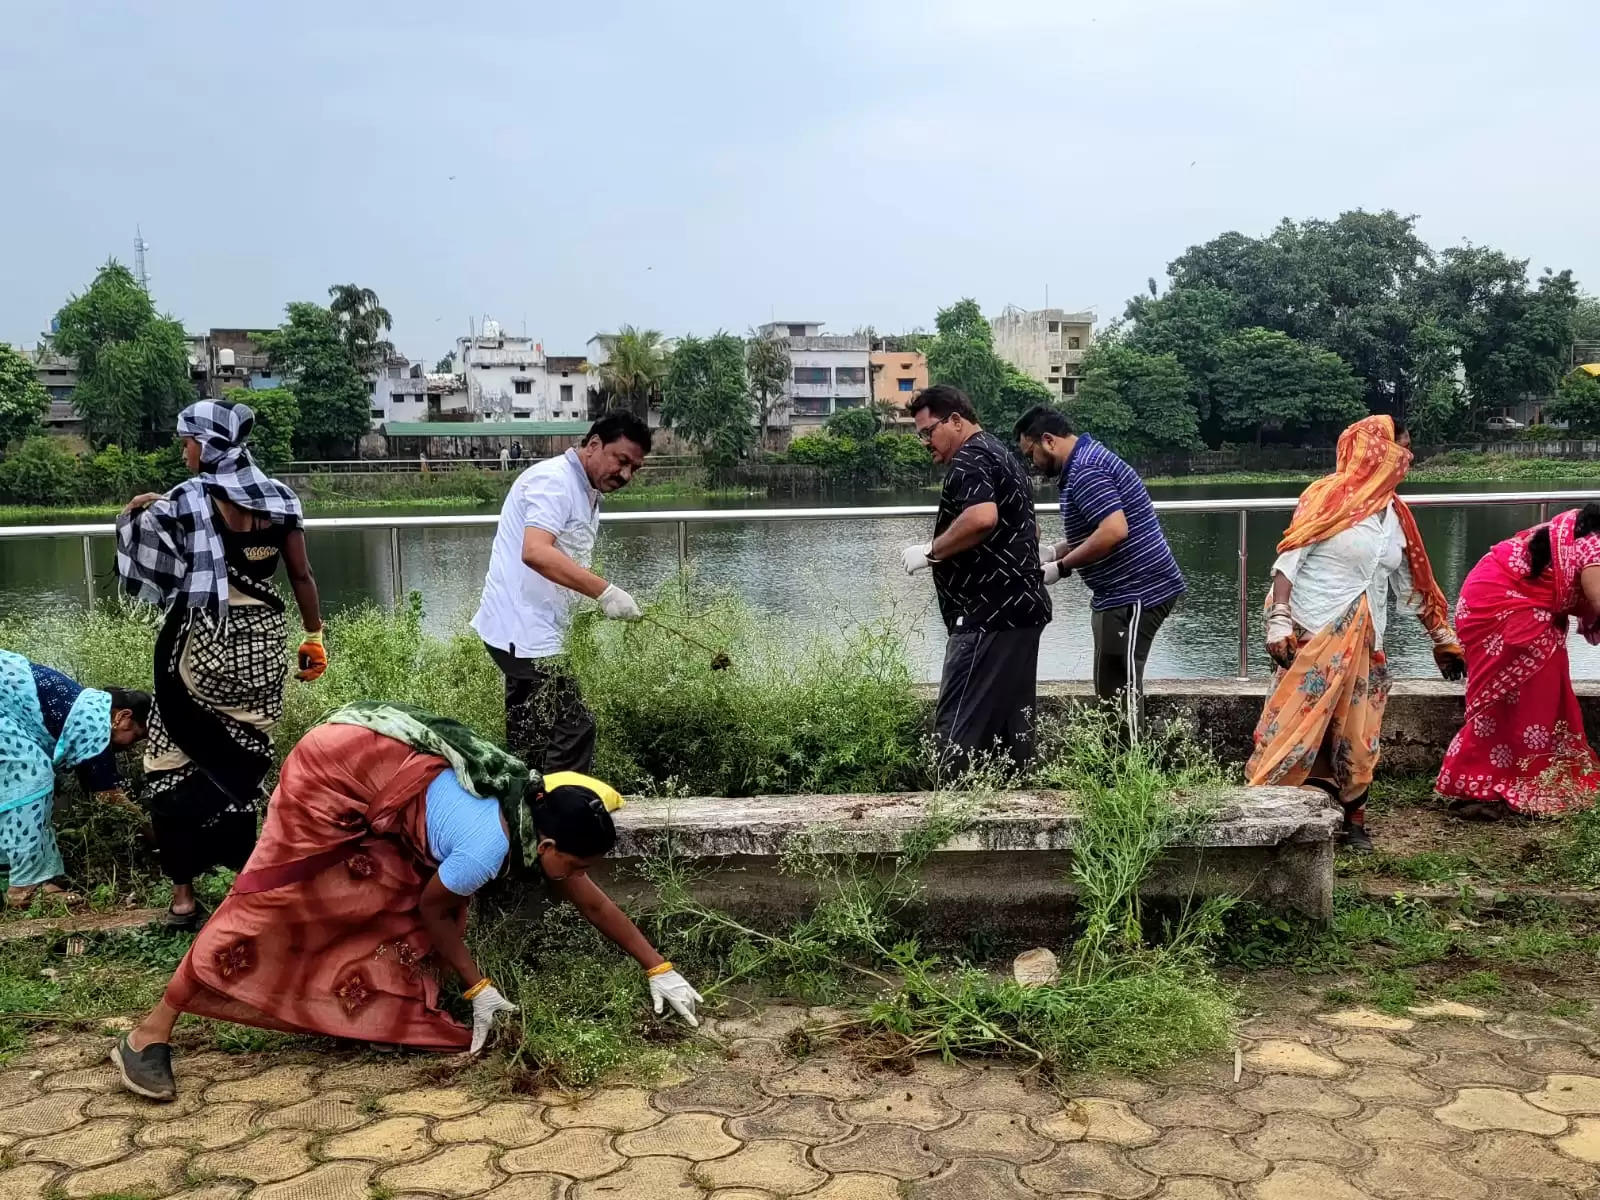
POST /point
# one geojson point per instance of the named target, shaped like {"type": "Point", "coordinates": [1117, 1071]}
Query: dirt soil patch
{"type": "Point", "coordinates": [1419, 842]}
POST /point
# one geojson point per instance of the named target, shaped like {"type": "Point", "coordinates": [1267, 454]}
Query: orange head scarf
{"type": "Point", "coordinates": [1369, 467]}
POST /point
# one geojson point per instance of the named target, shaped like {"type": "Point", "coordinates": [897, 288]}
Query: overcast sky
{"type": "Point", "coordinates": [700, 166]}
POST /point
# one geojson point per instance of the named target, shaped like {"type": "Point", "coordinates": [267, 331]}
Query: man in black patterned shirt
{"type": "Point", "coordinates": [985, 561]}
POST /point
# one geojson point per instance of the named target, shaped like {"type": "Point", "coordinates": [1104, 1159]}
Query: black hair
{"type": "Point", "coordinates": [575, 820]}
{"type": "Point", "coordinates": [135, 701]}
{"type": "Point", "coordinates": [1040, 420]}
{"type": "Point", "coordinates": [943, 400]}
{"type": "Point", "coordinates": [1399, 426]}
{"type": "Point", "coordinates": [620, 423]}
{"type": "Point", "coordinates": [1539, 543]}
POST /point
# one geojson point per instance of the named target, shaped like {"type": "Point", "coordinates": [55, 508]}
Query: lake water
{"type": "Point", "coordinates": [820, 574]}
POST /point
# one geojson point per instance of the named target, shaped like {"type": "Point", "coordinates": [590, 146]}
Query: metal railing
{"type": "Point", "coordinates": [683, 518]}
{"type": "Point", "coordinates": [378, 466]}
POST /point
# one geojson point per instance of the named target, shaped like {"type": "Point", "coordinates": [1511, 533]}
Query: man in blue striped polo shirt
{"type": "Point", "coordinates": [1113, 540]}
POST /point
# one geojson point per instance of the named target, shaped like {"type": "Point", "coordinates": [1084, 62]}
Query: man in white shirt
{"type": "Point", "coordinates": [538, 571]}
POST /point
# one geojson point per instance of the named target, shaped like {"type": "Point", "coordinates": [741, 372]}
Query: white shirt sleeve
{"type": "Point", "coordinates": [1289, 562]}
{"type": "Point", "coordinates": [1406, 597]}
{"type": "Point", "coordinates": [546, 503]}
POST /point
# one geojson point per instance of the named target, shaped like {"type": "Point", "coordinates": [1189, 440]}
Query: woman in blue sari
{"type": "Point", "coordinates": [49, 723]}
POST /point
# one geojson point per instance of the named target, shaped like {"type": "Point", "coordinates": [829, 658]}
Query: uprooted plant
{"type": "Point", "coordinates": [1128, 1002]}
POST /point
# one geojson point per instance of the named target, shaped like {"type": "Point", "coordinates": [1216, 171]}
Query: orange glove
{"type": "Point", "coordinates": [313, 658]}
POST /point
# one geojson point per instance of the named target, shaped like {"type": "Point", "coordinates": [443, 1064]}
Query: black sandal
{"type": "Point", "coordinates": [189, 922]}
{"type": "Point", "coordinates": [1464, 809]}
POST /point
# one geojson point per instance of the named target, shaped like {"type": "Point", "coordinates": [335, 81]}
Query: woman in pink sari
{"type": "Point", "coordinates": [1522, 747]}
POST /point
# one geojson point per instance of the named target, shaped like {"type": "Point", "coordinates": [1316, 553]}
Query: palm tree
{"type": "Point", "coordinates": [635, 366]}
{"type": "Point", "coordinates": [362, 322]}
{"type": "Point", "coordinates": [766, 362]}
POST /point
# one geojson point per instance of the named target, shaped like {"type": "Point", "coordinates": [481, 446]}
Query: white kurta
{"type": "Point", "coordinates": [1327, 576]}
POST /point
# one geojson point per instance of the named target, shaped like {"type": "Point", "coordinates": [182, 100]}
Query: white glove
{"type": "Point", "coordinates": [1052, 572]}
{"type": "Point", "coordinates": [618, 605]}
{"type": "Point", "coordinates": [484, 1007]}
{"type": "Point", "coordinates": [1047, 554]}
{"type": "Point", "coordinates": [671, 988]}
{"type": "Point", "coordinates": [1280, 624]}
{"type": "Point", "coordinates": [916, 558]}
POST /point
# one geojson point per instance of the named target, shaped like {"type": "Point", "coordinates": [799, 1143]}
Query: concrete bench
{"type": "Point", "coordinates": [1006, 873]}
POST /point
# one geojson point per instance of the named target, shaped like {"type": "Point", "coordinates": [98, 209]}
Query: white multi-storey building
{"type": "Point", "coordinates": [1048, 344]}
{"type": "Point", "coordinates": [826, 374]}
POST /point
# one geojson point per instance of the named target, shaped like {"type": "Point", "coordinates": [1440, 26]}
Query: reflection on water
{"type": "Point", "coordinates": [820, 574]}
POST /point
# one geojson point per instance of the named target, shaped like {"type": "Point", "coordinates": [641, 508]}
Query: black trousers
{"type": "Point", "coordinates": [548, 726]}
{"type": "Point", "coordinates": [987, 695]}
{"type": "Point", "coordinates": [1122, 640]}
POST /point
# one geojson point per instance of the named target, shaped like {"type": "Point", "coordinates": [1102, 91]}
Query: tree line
{"type": "Point", "coordinates": [1292, 335]}
{"type": "Point", "coordinates": [1285, 337]}
{"type": "Point", "coordinates": [134, 373]}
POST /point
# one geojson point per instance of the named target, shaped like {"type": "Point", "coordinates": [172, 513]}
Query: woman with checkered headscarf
{"type": "Point", "coordinates": [206, 552]}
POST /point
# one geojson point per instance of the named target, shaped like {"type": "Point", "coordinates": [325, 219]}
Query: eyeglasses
{"type": "Point", "coordinates": [927, 434]}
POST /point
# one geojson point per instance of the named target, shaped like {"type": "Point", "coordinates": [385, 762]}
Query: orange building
{"type": "Point", "coordinates": [897, 376]}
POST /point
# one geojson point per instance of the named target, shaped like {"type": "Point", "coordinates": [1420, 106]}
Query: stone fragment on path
{"type": "Point", "coordinates": [693, 1136]}
{"type": "Point", "coordinates": [1036, 968]}
{"type": "Point", "coordinates": [1568, 1094]}
{"type": "Point", "coordinates": [1280, 1056]}
{"type": "Point", "coordinates": [1304, 1181]}
{"type": "Point", "coordinates": [1416, 1171]}
{"type": "Point", "coordinates": [1449, 1009]}
{"type": "Point", "coordinates": [1520, 1157]}
{"type": "Point", "coordinates": [455, 1172]}
{"type": "Point", "coordinates": [580, 1153]}
{"type": "Point", "coordinates": [1479, 1109]}
{"type": "Point", "coordinates": [1367, 1019]}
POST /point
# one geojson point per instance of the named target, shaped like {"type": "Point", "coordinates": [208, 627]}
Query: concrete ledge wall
{"type": "Point", "coordinates": [1007, 874]}
{"type": "Point", "coordinates": [1422, 716]}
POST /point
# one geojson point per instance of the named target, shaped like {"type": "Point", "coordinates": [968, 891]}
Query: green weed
{"type": "Point", "coordinates": [42, 984]}
{"type": "Point", "coordinates": [800, 713]}
{"type": "Point", "coordinates": [584, 1008]}
{"type": "Point", "coordinates": [1124, 1004]}
{"type": "Point", "coordinates": [1476, 985]}
{"type": "Point", "coordinates": [1578, 855]}
{"type": "Point", "coordinates": [1428, 866]}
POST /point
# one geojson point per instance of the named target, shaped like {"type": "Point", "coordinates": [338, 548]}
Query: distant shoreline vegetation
{"type": "Point", "coordinates": [477, 489]}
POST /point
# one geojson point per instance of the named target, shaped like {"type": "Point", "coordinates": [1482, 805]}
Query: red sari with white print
{"type": "Point", "coordinates": [1523, 741]}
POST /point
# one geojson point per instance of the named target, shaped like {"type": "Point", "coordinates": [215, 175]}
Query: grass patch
{"type": "Point", "coordinates": [585, 1011]}
{"type": "Point", "coordinates": [1476, 985]}
{"type": "Point", "coordinates": [794, 713]}
{"type": "Point", "coordinates": [1124, 1000]}
{"type": "Point", "coordinates": [1577, 856]}
{"type": "Point", "coordinates": [1427, 866]}
{"type": "Point", "coordinates": [825, 713]}
{"type": "Point", "coordinates": [44, 982]}
{"type": "Point", "coordinates": [1398, 948]}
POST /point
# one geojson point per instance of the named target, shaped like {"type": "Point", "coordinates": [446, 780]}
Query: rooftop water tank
{"type": "Point", "coordinates": [224, 357]}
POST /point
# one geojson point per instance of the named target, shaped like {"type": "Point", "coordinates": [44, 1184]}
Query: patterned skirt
{"type": "Point", "coordinates": [322, 932]}
{"type": "Point", "coordinates": [217, 697]}
{"type": "Point", "coordinates": [1523, 741]}
{"type": "Point", "coordinates": [1324, 717]}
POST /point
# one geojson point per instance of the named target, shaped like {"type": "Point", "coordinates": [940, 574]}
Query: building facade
{"type": "Point", "coordinates": [1047, 344]}
{"type": "Point", "coordinates": [230, 358]}
{"type": "Point", "coordinates": [896, 378]}
{"type": "Point", "coordinates": [508, 378]}
{"type": "Point", "coordinates": [827, 374]}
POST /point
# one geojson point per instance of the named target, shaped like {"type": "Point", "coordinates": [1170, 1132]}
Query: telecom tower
{"type": "Point", "coordinates": [139, 247]}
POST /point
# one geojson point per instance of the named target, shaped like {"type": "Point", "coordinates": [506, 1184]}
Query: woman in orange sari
{"type": "Point", "coordinates": [385, 821]}
{"type": "Point", "coordinates": [1351, 542]}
